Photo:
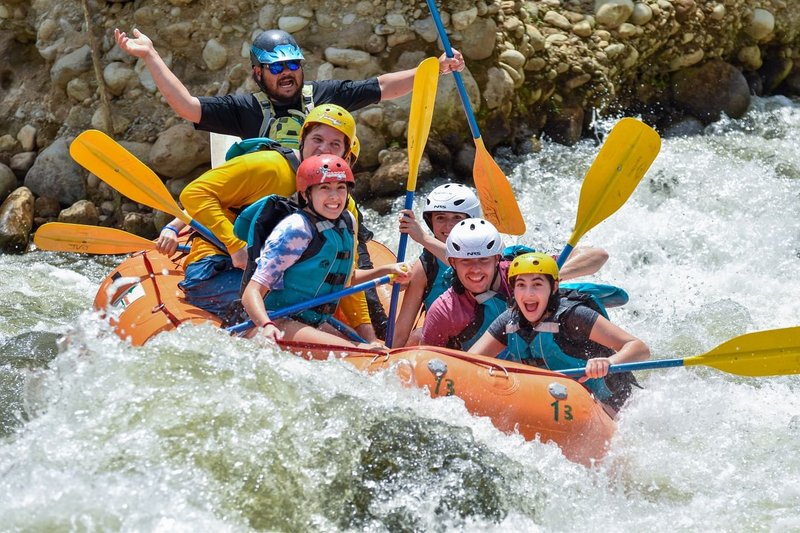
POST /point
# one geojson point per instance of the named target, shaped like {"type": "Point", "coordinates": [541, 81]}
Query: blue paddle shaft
{"type": "Point", "coordinates": [448, 50]}
{"type": "Point", "coordinates": [628, 367]}
{"type": "Point", "coordinates": [208, 235]}
{"type": "Point", "coordinates": [347, 330]}
{"type": "Point", "coordinates": [401, 256]}
{"type": "Point", "coordinates": [564, 255]}
{"type": "Point", "coordinates": [319, 300]}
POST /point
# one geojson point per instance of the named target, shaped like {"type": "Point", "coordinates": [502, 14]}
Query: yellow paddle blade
{"type": "Point", "coordinates": [63, 237]}
{"type": "Point", "coordinates": [423, 96]}
{"type": "Point", "coordinates": [774, 352]}
{"type": "Point", "coordinates": [498, 203]}
{"type": "Point", "coordinates": [625, 156]}
{"type": "Point", "coordinates": [105, 158]}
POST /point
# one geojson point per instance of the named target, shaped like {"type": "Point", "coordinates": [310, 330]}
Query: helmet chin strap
{"type": "Point", "coordinates": [552, 301]}
{"type": "Point", "coordinates": [310, 207]}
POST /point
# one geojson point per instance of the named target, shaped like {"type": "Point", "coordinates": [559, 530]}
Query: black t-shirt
{"type": "Point", "coordinates": [240, 114]}
{"type": "Point", "coordinates": [576, 325]}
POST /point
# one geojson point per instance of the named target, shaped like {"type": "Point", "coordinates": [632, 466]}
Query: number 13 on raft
{"type": "Point", "coordinates": [497, 198]}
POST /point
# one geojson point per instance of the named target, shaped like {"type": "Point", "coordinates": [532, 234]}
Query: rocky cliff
{"type": "Point", "coordinates": [533, 67]}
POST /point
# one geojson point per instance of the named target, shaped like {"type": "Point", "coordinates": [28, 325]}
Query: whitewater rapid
{"type": "Point", "coordinates": [199, 431]}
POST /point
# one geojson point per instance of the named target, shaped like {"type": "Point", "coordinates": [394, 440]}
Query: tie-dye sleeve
{"type": "Point", "coordinates": [283, 248]}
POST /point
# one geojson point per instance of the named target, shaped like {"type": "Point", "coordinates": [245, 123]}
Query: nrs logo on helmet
{"type": "Point", "coordinates": [474, 237]}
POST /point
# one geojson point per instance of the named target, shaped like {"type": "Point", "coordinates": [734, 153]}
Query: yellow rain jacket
{"type": "Point", "coordinates": [215, 198]}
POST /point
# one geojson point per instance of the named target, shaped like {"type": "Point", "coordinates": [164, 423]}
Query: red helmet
{"type": "Point", "coordinates": [325, 168]}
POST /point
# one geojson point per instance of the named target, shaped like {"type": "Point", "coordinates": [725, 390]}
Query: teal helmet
{"type": "Point", "coordinates": [273, 46]}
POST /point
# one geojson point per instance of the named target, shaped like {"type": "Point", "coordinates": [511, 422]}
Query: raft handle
{"type": "Point", "coordinates": [504, 369]}
{"type": "Point", "coordinates": [384, 355]}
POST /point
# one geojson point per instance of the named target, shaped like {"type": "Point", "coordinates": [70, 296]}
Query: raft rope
{"type": "Point", "coordinates": [160, 305]}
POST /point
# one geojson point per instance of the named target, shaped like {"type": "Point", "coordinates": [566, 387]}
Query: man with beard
{"type": "Point", "coordinates": [278, 110]}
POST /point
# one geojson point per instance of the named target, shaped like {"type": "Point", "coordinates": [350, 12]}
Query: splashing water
{"type": "Point", "coordinates": [199, 431]}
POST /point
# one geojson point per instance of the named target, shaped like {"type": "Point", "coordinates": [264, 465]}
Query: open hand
{"type": "Point", "coordinates": [138, 46]}
{"type": "Point", "coordinates": [410, 226]}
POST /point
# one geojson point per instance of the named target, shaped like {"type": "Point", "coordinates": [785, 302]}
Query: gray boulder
{"type": "Point", "coordinates": [392, 176]}
{"type": "Point", "coordinates": [179, 150]}
{"type": "Point", "coordinates": [8, 181]}
{"type": "Point", "coordinates": [71, 66]}
{"type": "Point", "coordinates": [140, 224]}
{"type": "Point", "coordinates": [55, 174]}
{"type": "Point", "coordinates": [81, 212]}
{"type": "Point", "coordinates": [711, 89]}
{"type": "Point", "coordinates": [566, 126]}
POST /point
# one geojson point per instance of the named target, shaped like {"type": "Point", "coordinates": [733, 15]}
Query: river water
{"type": "Point", "coordinates": [201, 432]}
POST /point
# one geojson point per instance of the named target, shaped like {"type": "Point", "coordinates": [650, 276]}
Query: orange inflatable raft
{"type": "Point", "coordinates": [144, 300]}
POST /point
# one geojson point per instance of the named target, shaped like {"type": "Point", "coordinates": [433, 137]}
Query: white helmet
{"type": "Point", "coordinates": [451, 198]}
{"type": "Point", "coordinates": [474, 237]}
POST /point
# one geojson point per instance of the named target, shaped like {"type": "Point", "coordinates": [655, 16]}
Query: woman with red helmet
{"type": "Point", "coordinates": [213, 278]}
{"type": "Point", "coordinates": [308, 254]}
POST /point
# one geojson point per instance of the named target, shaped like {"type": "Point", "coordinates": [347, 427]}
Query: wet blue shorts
{"type": "Point", "coordinates": [212, 284]}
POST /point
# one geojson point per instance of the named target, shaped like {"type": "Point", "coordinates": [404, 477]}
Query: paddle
{"type": "Point", "coordinates": [112, 163]}
{"type": "Point", "coordinates": [319, 300]}
{"type": "Point", "coordinates": [497, 198]}
{"type": "Point", "coordinates": [64, 237]}
{"type": "Point", "coordinates": [105, 158]}
{"type": "Point", "coordinates": [774, 352]}
{"type": "Point", "coordinates": [341, 327]}
{"type": "Point", "coordinates": [625, 156]}
{"type": "Point", "coordinates": [423, 97]}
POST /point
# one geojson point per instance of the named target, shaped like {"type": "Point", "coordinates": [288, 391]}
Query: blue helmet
{"type": "Point", "coordinates": [272, 46]}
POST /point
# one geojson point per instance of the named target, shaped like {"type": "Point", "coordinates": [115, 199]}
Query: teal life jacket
{"type": "Point", "coordinates": [262, 143]}
{"type": "Point", "coordinates": [606, 295]}
{"type": "Point", "coordinates": [515, 250]}
{"type": "Point", "coordinates": [439, 277]}
{"type": "Point", "coordinates": [324, 267]}
{"type": "Point", "coordinates": [548, 345]}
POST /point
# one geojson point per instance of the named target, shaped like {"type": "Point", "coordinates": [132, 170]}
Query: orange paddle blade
{"type": "Point", "coordinates": [63, 237]}
{"type": "Point", "coordinates": [498, 203]}
{"type": "Point", "coordinates": [105, 158]}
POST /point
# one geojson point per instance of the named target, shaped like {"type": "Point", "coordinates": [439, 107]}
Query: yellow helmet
{"type": "Point", "coordinates": [533, 263]}
{"type": "Point", "coordinates": [337, 118]}
{"type": "Point", "coordinates": [355, 149]}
